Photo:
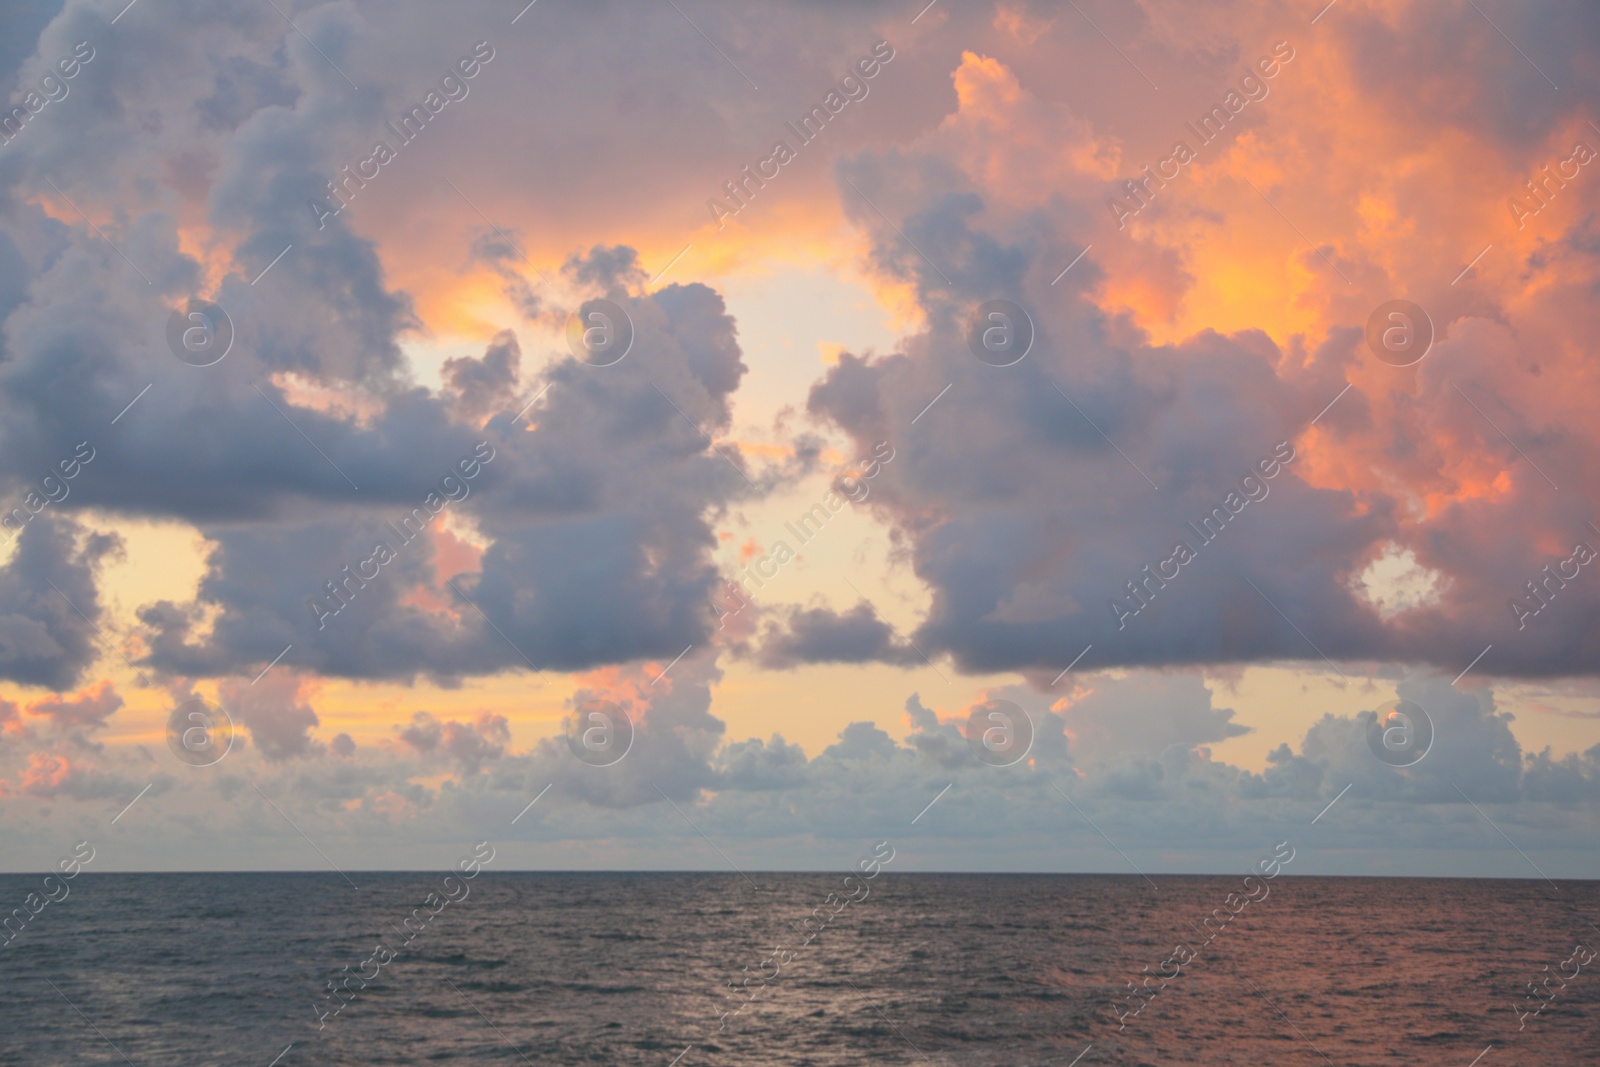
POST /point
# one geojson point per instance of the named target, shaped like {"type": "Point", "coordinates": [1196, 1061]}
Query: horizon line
{"type": "Point", "coordinates": [825, 871]}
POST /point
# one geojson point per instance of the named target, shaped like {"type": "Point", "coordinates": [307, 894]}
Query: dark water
{"type": "Point", "coordinates": [943, 969]}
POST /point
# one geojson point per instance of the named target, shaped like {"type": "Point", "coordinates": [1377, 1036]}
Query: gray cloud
{"type": "Point", "coordinates": [1098, 454]}
{"type": "Point", "coordinates": [817, 635]}
{"type": "Point", "coordinates": [272, 709]}
{"type": "Point", "coordinates": [485, 385]}
{"type": "Point", "coordinates": [1011, 501]}
{"type": "Point", "coordinates": [1147, 713]}
{"type": "Point", "coordinates": [44, 640]}
{"type": "Point", "coordinates": [1167, 805]}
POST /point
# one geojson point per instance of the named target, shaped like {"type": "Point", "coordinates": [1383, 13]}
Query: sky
{"type": "Point", "coordinates": [1100, 436]}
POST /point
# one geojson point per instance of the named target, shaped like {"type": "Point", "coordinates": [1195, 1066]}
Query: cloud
{"type": "Point", "coordinates": [275, 711]}
{"type": "Point", "coordinates": [1105, 449]}
{"type": "Point", "coordinates": [424, 733]}
{"type": "Point", "coordinates": [311, 433]}
{"type": "Point", "coordinates": [1474, 753]}
{"type": "Point", "coordinates": [1028, 503]}
{"type": "Point", "coordinates": [1145, 714]}
{"type": "Point", "coordinates": [818, 635]}
{"type": "Point", "coordinates": [1573, 779]}
{"type": "Point", "coordinates": [766, 804]}
{"type": "Point", "coordinates": [485, 385]}
{"type": "Point", "coordinates": [597, 522]}
{"type": "Point", "coordinates": [47, 630]}
{"type": "Point", "coordinates": [85, 712]}
{"type": "Point", "coordinates": [58, 775]}
{"type": "Point", "coordinates": [1013, 583]}
{"type": "Point", "coordinates": [667, 716]}
{"type": "Point", "coordinates": [471, 745]}
{"type": "Point", "coordinates": [756, 765]}
{"type": "Point", "coordinates": [862, 741]}
{"type": "Point", "coordinates": [613, 271]}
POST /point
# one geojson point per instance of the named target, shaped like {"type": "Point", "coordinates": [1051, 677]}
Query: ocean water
{"type": "Point", "coordinates": [232, 969]}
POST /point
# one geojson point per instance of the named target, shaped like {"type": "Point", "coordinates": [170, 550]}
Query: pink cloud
{"type": "Point", "coordinates": [88, 710]}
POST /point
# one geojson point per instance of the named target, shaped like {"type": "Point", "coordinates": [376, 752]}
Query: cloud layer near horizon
{"type": "Point", "coordinates": [1126, 752]}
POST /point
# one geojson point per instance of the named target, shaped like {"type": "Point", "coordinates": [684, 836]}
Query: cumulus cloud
{"type": "Point", "coordinates": [597, 522]}
{"type": "Point", "coordinates": [1189, 414]}
{"type": "Point", "coordinates": [675, 734]}
{"type": "Point", "coordinates": [276, 712]}
{"type": "Point", "coordinates": [484, 385]}
{"type": "Point", "coordinates": [1039, 506]}
{"type": "Point", "coordinates": [1146, 714]}
{"type": "Point", "coordinates": [59, 774]}
{"type": "Point", "coordinates": [47, 631]}
{"type": "Point", "coordinates": [80, 714]}
{"type": "Point", "coordinates": [470, 744]}
{"type": "Point", "coordinates": [1104, 450]}
{"type": "Point", "coordinates": [818, 635]}
{"type": "Point", "coordinates": [756, 765]}
{"type": "Point", "coordinates": [599, 517]}
{"type": "Point", "coordinates": [1173, 805]}
{"type": "Point", "coordinates": [1474, 751]}
{"type": "Point", "coordinates": [1571, 779]}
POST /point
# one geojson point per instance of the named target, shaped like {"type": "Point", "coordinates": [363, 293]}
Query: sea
{"type": "Point", "coordinates": [685, 969]}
